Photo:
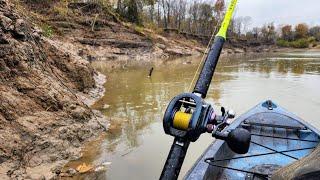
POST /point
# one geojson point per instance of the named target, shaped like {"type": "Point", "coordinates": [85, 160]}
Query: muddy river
{"type": "Point", "coordinates": [136, 147]}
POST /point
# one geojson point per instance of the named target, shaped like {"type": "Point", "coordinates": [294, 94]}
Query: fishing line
{"type": "Point", "coordinates": [202, 59]}
{"type": "Point", "coordinates": [222, 33]}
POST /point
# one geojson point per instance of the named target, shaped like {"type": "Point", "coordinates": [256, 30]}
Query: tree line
{"type": "Point", "coordinates": [201, 17]}
{"type": "Point", "coordinates": [299, 36]}
{"type": "Point", "coordinates": [197, 17]}
{"type": "Point", "coordinates": [204, 17]}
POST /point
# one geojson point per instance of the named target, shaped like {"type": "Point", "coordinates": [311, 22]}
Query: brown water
{"type": "Point", "coordinates": [136, 146]}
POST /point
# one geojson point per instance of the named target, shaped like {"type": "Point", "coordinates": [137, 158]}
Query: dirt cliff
{"type": "Point", "coordinates": [43, 123]}
{"type": "Point", "coordinates": [94, 31]}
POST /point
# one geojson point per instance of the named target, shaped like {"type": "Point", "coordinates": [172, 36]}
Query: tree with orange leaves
{"type": "Point", "coordinates": [301, 30]}
{"type": "Point", "coordinates": [287, 33]}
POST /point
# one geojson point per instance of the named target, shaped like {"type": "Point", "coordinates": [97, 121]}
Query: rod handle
{"type": "Point", "coordinates": [175, 159]}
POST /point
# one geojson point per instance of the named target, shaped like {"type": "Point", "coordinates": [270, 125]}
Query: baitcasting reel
{"type": "Point", "coordinates": [188, 116]}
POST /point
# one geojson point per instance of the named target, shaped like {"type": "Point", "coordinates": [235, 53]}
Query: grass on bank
{"type": "Point", "coordinates": [299, 43]}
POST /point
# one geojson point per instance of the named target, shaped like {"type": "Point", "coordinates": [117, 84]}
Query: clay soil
{"type": "Point", "coordinates": [43, 121]}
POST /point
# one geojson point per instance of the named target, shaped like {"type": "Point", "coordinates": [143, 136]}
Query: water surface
{"type": "Point", "coordinates": [136, 146]}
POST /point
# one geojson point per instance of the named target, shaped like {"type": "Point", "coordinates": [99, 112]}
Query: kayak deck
{"type": "Point", "coordinates": [278, 138]}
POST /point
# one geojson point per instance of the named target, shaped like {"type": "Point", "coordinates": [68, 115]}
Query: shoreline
{"type": "Point", "coordinates": [94, 94]}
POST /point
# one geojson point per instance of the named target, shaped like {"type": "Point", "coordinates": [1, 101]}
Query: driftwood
{"type": "Point", "coordinates": [306, 168]}
{"type": "Point", "coordinates": [150, 72]}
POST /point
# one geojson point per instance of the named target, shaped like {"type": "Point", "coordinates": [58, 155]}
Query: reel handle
{"type": "Point", "coordinates": [238, 139]}
{"type": "Point", "coordinates": [175, 159]}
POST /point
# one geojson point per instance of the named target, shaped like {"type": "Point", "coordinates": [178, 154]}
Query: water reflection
{"type": "Point", "coordinates": [135, 104]}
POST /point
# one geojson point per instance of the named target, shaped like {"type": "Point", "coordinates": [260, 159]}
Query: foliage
{"type": "Point", "coordinates": [315, 32]}
{"type": "Point", "coordinates": [301, 37]}
{"type": "Point", "coordinates": [61, 8]}
{"type": "Point", "coordinates": [198, 17]}
{"type": "Point", "coordinates": [139, 29]}
{"type": "Point", "coordinates": [317, 36]}
{"type": "Point", "coordinates": [283, 43]}
{"type": "Point", "coordinates": [286, 32]}
{"type": "Point", "coordinates": [301, 31]}
{"type": "Point", "coordinates": [300, 43]}
{"type": "Point", "coordinates": [47, 30]}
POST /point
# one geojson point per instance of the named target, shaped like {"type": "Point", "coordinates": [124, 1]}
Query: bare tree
{"type": "Point", "coordinates": [194, 16]}
{"type": "Point", "coordinates": [219, 8]}
{"type": "Point", "coordinates": [205, 18]}
{"type": "Point", "coordinates": [182, 12]}
{"type": "Point", "coordinates": [238, 24]}
{"type": "Point", "coordinates": [246, 22]}
{"type": "Point", "coordinates": [268, 33]}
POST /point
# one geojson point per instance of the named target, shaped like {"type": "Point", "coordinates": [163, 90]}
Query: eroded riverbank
{"type": "Point", "coordinates": [43, 123]}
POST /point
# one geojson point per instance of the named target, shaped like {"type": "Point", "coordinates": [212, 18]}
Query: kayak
{"type": "Point", "coordinates": [278, 138]}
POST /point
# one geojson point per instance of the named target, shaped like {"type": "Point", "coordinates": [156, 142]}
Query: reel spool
{"type": "Point", "coordinates": [181, 120]}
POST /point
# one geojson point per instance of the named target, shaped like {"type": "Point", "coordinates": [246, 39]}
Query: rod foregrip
{"type": "Point", "coordinates": [175, 159]}
{"type": "Point", "coordinates": [209, 66]}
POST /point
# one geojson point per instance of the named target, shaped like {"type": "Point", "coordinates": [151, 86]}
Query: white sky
{"type": "Point", "coordinates": [280, 11]}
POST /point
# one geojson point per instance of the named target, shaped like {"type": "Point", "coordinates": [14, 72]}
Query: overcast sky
{"type": "Point", "coordinates": [280, 11]}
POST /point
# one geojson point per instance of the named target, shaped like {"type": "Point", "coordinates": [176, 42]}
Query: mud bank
{"type": "Point", "coordinates": [43, 120]}
{"type": "Point", "coordinates": [93, 32]}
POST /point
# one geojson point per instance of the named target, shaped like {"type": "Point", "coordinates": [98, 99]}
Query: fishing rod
{"type": "Point", "coordinates": [188, 115]}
